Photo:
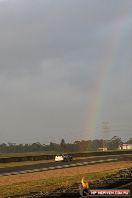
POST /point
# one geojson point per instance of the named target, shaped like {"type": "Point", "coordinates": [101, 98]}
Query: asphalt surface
{"type": "Point", "coordinates": [56, 164]}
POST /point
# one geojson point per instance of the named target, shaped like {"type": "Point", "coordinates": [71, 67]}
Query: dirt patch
{"type": "Point", "coordinates": [12, 179]}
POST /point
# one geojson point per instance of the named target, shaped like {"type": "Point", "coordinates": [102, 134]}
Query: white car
{"type": "Point", "coordinates": [59, 158]}
{"type": "Point", "coordinates": [64, 158]}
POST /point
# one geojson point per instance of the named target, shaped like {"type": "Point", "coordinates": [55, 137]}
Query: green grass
{"type": "Point", "coordinates": [27, 154]}
{"type": "Point", "coordinates": [46, 185]}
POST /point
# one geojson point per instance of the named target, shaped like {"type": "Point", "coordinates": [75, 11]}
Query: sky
{"type": "Point", "coordinates": [65, 70]}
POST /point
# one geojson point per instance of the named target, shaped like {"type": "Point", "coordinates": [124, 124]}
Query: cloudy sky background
{"type": "Point", "coordinates": [65, 67]}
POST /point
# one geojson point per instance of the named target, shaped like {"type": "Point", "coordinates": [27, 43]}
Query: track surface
{"type": "Point", "coordinates": [56, 164]}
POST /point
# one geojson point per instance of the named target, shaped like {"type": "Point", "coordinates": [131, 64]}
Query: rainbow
{"type": "Point", "coordinates": [110, 56]}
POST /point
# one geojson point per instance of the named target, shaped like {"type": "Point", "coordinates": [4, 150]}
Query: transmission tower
{"type": "Point", "coordinates": [105, 132]}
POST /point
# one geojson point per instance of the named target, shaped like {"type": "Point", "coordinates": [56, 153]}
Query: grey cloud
{"type": "Point", "coordinates": [51, 58]}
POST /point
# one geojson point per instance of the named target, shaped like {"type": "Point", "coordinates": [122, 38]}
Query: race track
{"type": "Point", "coordinates": [59, 165]}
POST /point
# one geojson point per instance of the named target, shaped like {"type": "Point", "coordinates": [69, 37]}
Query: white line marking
{"type": "Point", "coordinates": [66, 166]}
{"type": "Point", "coordinates": [51, 168]}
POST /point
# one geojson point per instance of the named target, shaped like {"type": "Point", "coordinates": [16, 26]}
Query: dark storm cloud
{"type": "Point", "coordinates": [51, 53]}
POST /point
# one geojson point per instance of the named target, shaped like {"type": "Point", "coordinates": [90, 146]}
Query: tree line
{"type": "Point", "coordinates": [77, 146]}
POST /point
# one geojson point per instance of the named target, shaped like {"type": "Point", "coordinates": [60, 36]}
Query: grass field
{"type": "Point", "coordinates": [33, 153]}
{"type": "Point", "coordinates": [48, 153]}
{"type": "Point", "coordinates": [45, 185]}
{"type": "Point", "coordinates": [27, 154]}
{"type": "Point", "coordinates": [45, 181]}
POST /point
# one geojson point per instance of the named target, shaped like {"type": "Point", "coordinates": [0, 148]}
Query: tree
{"type": "Point", "coordinates": [129, 141]}
{"type": "Point", "coordinates": [114, 143]}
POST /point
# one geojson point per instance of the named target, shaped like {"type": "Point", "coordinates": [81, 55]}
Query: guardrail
{"type": "Point", "coordinates": [50, 157]}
